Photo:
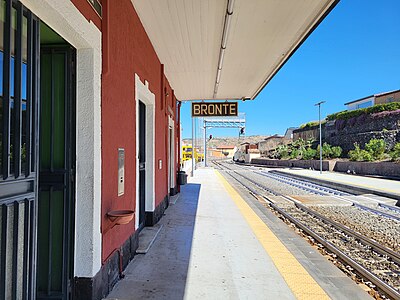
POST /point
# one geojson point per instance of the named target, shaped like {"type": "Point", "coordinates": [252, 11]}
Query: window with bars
{"type": "Point", "coordinates": [16, 91]}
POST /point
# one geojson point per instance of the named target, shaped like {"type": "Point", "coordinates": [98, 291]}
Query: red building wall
{"type": "Point", "coordinates": [88, 12]}
{"type": "Point", "coordinates": [127, 50]}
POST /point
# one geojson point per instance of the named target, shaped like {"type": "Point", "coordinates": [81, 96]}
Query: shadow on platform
{"type": "Point", "coordinates": [162, 272]}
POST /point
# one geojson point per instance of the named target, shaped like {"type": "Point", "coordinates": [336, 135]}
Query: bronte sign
{"type": "Point", "coordinates": [214, 109]}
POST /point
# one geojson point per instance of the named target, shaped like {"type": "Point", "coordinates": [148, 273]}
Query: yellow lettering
{"type": "Point", "coordinates": [218, 109]}
{"type": "Point", "coordinates": [196, 109]}
{"type": "Point", "coordinates": [214, 109]}
{"type": "Point", "coordinates": [211, 109]}
{"type": "Point", "coordinates": [203, 109]}
{"type": "Point", "coordinates": [226, 106]}
{"type": "Point", "coordinates": [232, 109]}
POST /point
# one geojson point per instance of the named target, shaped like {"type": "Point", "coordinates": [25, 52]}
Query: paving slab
{"type": "Point", "coordinates": [147, 237]}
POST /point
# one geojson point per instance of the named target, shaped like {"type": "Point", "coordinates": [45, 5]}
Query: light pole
{"type": "Point", "coordinates": [320, 135]}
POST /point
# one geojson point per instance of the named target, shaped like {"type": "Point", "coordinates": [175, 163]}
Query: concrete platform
{"type": "Point", "coordinates": [372, 185]}
{"type": "Point", "coordinates": [214, 244]}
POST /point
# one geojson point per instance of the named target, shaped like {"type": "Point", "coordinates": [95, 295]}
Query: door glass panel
{"type": "Point", "coordinates": [23, 94]}
{"type": "Point", "coordinates": [45, 111]}
{"type": "Point", "coordinates": [2, 18]}
{"type": "Point", "coordinates": [59, 110]}
{"type": "Point", "coordinates": [12, 111]}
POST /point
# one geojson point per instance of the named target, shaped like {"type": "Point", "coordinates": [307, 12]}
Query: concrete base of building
{"type": "Point", "coordinates": [152, 217]}
{"type": "Point", "coordinates": [102, 283]}
{"type": "Point", "coordinates": [173, 191]}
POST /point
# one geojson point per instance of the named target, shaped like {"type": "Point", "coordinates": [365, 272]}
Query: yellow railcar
{"type": "Point", "coordinates": [187, 154]}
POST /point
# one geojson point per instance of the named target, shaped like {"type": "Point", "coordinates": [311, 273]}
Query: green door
{"type": "Point", "coordinates": [56, 173]}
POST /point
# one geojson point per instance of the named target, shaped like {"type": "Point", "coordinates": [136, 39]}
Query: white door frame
{"type": "Point", "coordinates": [143, 93]}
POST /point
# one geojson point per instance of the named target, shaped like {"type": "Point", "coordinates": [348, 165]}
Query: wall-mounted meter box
{"type": "Point", "coordinates": [121, 171]}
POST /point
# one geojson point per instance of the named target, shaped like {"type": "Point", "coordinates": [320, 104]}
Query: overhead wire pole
{"type": "Point", "coordinates": [320, 135]}
{"type": "Point", "coordinates": [225, 122]}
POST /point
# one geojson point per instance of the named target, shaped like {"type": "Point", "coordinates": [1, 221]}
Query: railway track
{"type": "Point", "coordinates": [374, 262]}
{"type": "Point", "coordinates": [391, 212]}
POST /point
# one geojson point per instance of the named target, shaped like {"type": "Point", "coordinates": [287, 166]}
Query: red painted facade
{"type": "Point", "coordinates": [87, 11]}
{"type": "Point", "coordinates": [127, 51]}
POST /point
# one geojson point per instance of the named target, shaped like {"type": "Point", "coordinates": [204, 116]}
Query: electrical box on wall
{"type": "Point", "coordinates": [121, 171]}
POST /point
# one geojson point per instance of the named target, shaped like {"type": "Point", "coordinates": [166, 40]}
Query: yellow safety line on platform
{"type": "Point", "coordinates": [297, 278]}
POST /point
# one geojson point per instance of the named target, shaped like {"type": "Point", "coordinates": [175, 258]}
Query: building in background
{"type": "Point", "coordinates": [223, 151]}
{"type": "Point", "coordinates": [382, 98]}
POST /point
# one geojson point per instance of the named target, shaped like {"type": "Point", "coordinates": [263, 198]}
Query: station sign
{"type": "Point", "coordinates": [214, 109]}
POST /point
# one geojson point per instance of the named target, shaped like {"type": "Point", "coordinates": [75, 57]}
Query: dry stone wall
{"type": "Point", "coordinates": [344, 133]}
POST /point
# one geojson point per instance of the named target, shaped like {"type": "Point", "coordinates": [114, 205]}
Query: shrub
{"type": "Point", "coordinates": [395, 154]}
{"type": "Point", "coordinates": [294, 154]}
{"type": "Point", "coordinates": [385, 114]}
{"type": "Point", "coordinates": [347, 114]}
{"type": "Point", "coordinates": [283, 152]}
{"type": "Point", "coordinates": [310, 124]}
{"type": "Point", "coordinates": [336, 151]}
{"type": "Point", "coordinates": [299, 143]}
{"type": "Point", "coordinates": [309, 153]}
{"type": "Point", "coordinates": [326, 151]}
{"type": "Point", "coordinates": [376, 148]}
{"type": "Point", "coordinates": [359, 155]}
{"type": "Point", "coordinates": [366, 156]}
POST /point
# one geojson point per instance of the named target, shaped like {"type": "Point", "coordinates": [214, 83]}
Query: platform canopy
{"type": "Point", "coordinates": [227, 49]}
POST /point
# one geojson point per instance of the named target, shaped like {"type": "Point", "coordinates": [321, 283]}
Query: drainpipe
{"type": "Point", "coordinates": [105, 37]}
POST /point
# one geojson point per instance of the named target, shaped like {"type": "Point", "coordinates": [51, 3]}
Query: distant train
{"type": "Point", "coordinates": [187, 154]}
{"type": "Point", "coordinates": [239, 155]}
{"type": "Point", "coordinates": [245, 152]}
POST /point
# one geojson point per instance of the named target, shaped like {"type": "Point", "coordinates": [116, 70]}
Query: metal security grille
{"type": "Point", "coordinates": [56, 170]}
{"type": "Point", "coordinates": [19, 51]}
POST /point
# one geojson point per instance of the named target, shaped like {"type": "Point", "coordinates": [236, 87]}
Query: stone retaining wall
{"type": "Point", "coordinates": [344, 133]}
{"type": "Point", "coordinates": [387, 169]}
{"type": "Point", "coordinates": [293, 163]}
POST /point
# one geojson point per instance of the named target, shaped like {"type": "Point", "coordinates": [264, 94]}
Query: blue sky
{"type": "Point", "coordinates": [355, 52]}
